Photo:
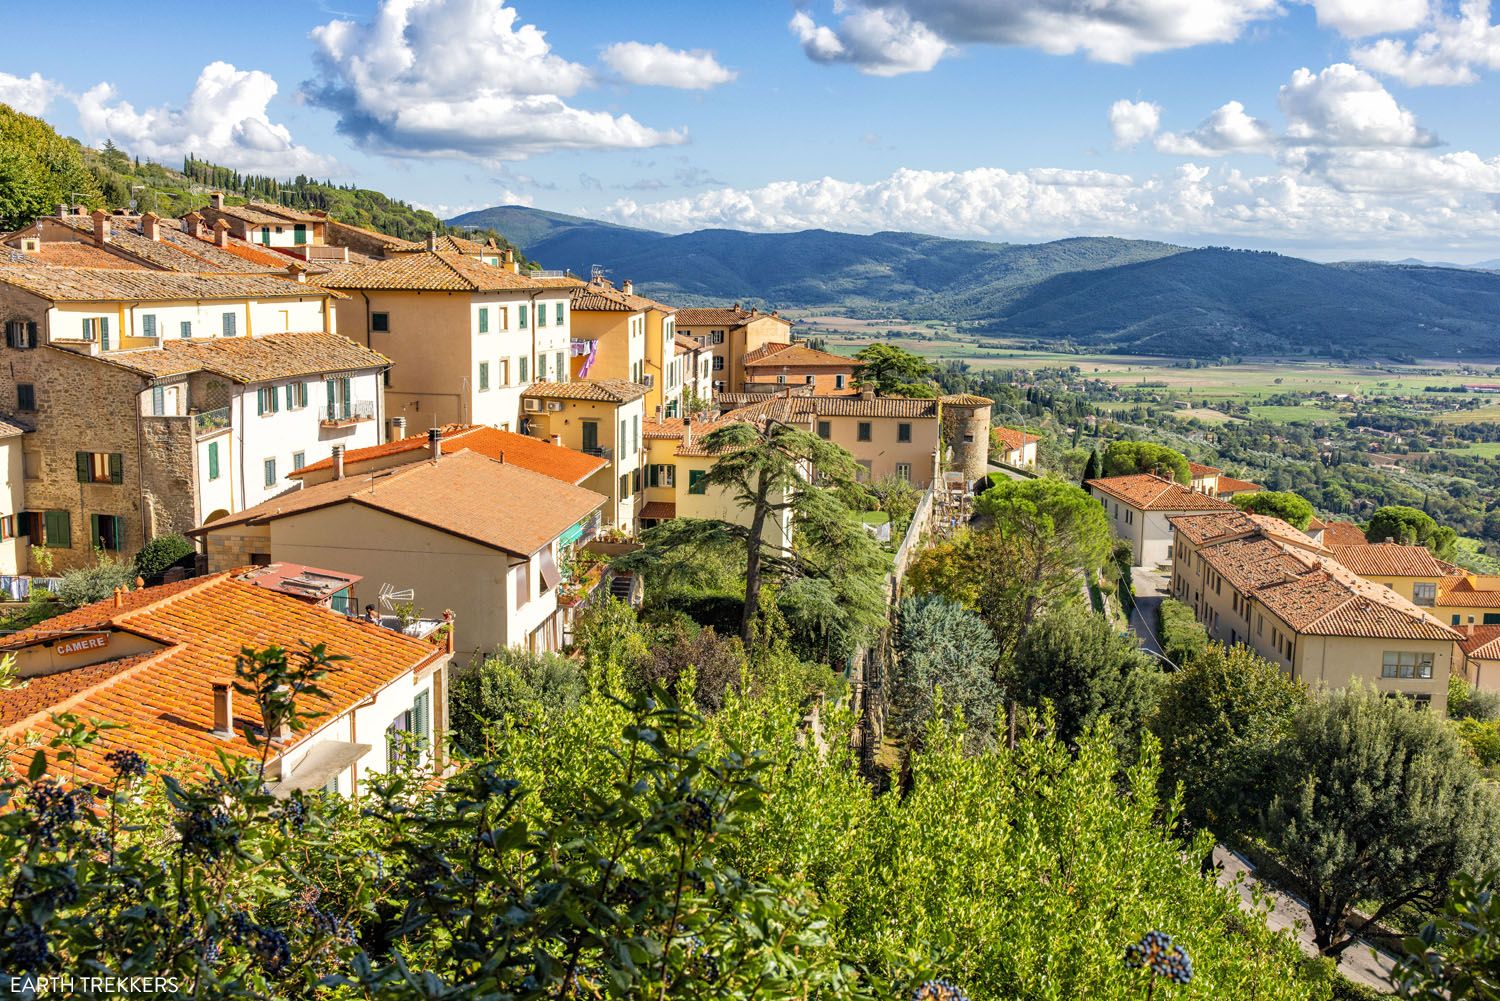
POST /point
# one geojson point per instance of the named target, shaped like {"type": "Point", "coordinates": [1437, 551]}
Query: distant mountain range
{"type": "Point", "coordinates": [1101, 293]}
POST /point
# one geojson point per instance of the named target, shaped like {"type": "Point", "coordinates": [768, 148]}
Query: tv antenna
{"type": "Point", "coordinates": [390, 596]}
{"type": "Point", "coordinates": [597, 271]}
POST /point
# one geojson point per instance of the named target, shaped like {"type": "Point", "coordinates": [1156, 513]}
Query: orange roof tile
{"type": "Point", "coordinates": [799, 356]}
{"type": "Point", "coordinates": [112, 284]}
{"type": "Point", "coordinates": [588, 390]}
{"type": "Point", "coordinates": [529, 453]}
{"type": "Point", "coordinates": [1230, 485]}
{"type": "Point", "coordinates": [1149, 492]}
{"type": "Point", "coordinates": [252, 359]}
{"type": "Point", "coordinates": [1343, 533]}
{"type": "Point", "coordinates": [1481, 642]}
{"type": "Point", "coordinates": [1389, 559]}
{"type": "Point", "coordinates": [658, 511]}
{"type": "Point", "coordinates": [1013, 439]}
{"type": "Point", "coordinates": [966, 400]}
{"type": "Point", "coordinates": [1464, 591]}
{"type": "Point", "coordinates": [726, 317]}
{"type": "Point", "coordinates": [600, 296]}
{"type": "Point", "coordinates": [443, 271]}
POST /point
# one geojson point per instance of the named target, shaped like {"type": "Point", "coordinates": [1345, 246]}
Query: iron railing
{"type": "Point", "coordinates": [209, 421]}
{"type": "Point", "coordinates": [348, 410]}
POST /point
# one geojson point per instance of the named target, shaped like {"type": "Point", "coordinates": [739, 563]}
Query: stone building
{"type": "Point", "coordinates": [966, 426]}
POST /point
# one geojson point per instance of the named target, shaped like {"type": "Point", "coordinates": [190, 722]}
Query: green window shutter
{"type": "Point", "coordinates": [523, 367]}
{"type": "Point", "coordinates": [57, 528]}
{"type": "Point", "coordinates": [104, 333]}
{"type": "Point", "coordinates": [421, 715]}
{"type": "Point", "coordinates": [291, 400]}
{"type": "Point", "coordinates": [329, 386]}
{"type": "Point", "coordinates": [260, 402]}
{"type": "Point", "coordinates": [559, 314]}
{"type": "Point", "coordinates": [522, 314]}
{"type": "Point", "coordinates": [187, 329]}
{"type": "Point", "coordinates": [213, 460]}
{"type": "Point", "coordinates": [697, 481]}
{"type": "Point", "coordinates": [117, 467]}
{"type": "Point", "coordinates": [94, 531]}
{"type": "Point", "coordinates": [484, 321]}
{"type": "Point", "coordinates": [345, 388]}
{"type": "Point", "coordinates": [148, 325]}
{"type": "Point", "coordinates": [82, 462]}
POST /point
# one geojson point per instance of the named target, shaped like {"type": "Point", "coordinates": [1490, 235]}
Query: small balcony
{"type": "Point", "coordinates": [599, 451]}
{"type": "Point", "coordinates": [346, 414]}
{"type": "Point", "coordinates": [210, 421]}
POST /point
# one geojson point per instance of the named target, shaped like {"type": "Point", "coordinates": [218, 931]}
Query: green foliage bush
{"type": "Point", "coordinates": [38, 170]}
{"type": "Point", "coordinates": [510, 687]}
{"type": "Point", "coordinates": [89, 584]}
{"type": "Point", "coordinates": [1283, 504]}
{"type": "Point", "coordinates": [1122, 458]}
{"type": "Point", "coordinates": [161, 553]}
{"type": "Point", "coordinates": [1182, 636]}
{"type": "Point", "coordinates": [946, 657]}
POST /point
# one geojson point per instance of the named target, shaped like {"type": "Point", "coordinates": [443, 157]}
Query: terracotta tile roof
{"type": "Point", "coordinates": [78, 255]}
{"type": "Point", "coordinates": [601, 296]}
{"type": "Point", "coordinates": [252, 359]}
{"type": "Point", "coordinates": [48, 692]}
{"type": "Point", "coordinates": [165, 699]}
{"type": "Point", "coordinates": [11, 426]}
{"type": "Point", "coordinates": [726, 317]}
{"type": "Point", "coordinates": [858, 406]}
{"type": "Point", "coordinates": [1253, 561]}
{"type": "Point", "coordinates": [731, 401]}
{"type": "Point", "coordinates": [1481, 642]}
{"type": "Point", "coordinates": [687, 343]}
{"type": "Point", "coordinates": [529, 453]}
{"type": "Point", "coordinates": [497, 504]}
{"type": "Point", "coordinates": [1013, 439]}
{"type": "Point", "coordinates": [667, 427]}
{"type": "Point", "coordinates": [658, 511]}
{"type": "Point", "coordinates": [445, 242]}
{"type": "Point", "coordinates": [966, 400]}
{"type": "Point", "coordinates": [1198, 470]}
{"type": "Point", "coordinates": [1343, 533]}
{"type": "Point", "coordinates": [594, 390]}
{"type": "Point", "coordinates": [791, 410]}
{"type": "Point", "coordinates": [427, 271]}
{"type": "Point", "coordinates": [1388, 559]}
{"type": "Point", "coordinates": [766, 350]}
{"type": "Point", "coordinates": [262, 213]}
{"type": "Point", "coordinates": [1148, 492]}
{"type": "Point", "coordinates": [1230, 485]}
{"type": "Point", "coordinates": [799, 356]}
{"type": "Point", "coordinates": [1469, 592]}
{"type": "Point", "coordinates": [113, 284]}
{"type": "Point", "coordinates": [176, 249]}
{"type": "Point", "coordinates": [1220, 526]}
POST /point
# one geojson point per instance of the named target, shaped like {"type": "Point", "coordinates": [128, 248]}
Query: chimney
{"type": "Point", "coordinates": [119, 597]}
{"type": "Point", "coordinates": [510, 261]}
{"type": "Point", "coordinates": [216, 199]}
{"type": "Point", "coordinates": [338, 462]}
{"type": "Point", "coordinates": [151, 227]}
{"type": "Point", "coordinates": [296, 272]}
{"type": "Point", "coordinates": [557, 440]}
{"type": "Point", "coordinates": [192, 225]}
{"type": "Point", "coordinates": [221, 233]}
{"type": "Point", "coordinates": [868, 393]}
{"type": "Point", "coordinates": [627, 286]}
{"type": "Point", "coordinates": [101, 227]}
{"type": "Point", "coordinates": [435, 443]}
{"type": "Point", "coordinates": [431, 241]}
{"type": "Point", "coordinates": [687, 430]}
{"type": "Point", "coordinates": [398, 428]}
{"type": "Point", "coordinates": [223, 709]}
{"type": "Point", "coordinates": [62, 209]}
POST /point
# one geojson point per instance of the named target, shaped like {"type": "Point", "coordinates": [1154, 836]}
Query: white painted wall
{"type": "Point", "coordinates": [253, 317]}
{"type": "Point", "coordinates": [506, 343]}
{"type": "Point", "coordinates": [12, 501]}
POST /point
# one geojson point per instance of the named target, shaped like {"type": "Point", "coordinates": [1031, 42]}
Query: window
{"type": "Point", "coordinates": [270, 472]}
{"type": "Point", "coordinates": [421, 716]}
{"type": "Point", "coordinates": [838, 381]}
{"type": "Point", "coordinates": [541, 315]}
{"type": "Point", "coordinates": [484, 376]}
{"type": "Point", "coordinates": [185, 329]}
{"type": "Point", "coordinates": [559, 313]}
{"type": "Point", "coordinates": [20, 334]}
{"type": "Point", "coordinates": [697, 481]}
{"type": "Point", "coordinates": [25, 396]}
{"type": "Point", "coordinates": [521, 582]}
{"type": "Point", "coordinates": [158, 401]}
{"type": "Point", "coordinates": [57, 529]}
{"type": "Point", "coordinates": [230, 324]}
{"type": "Point", "coordinates": [502, 317]}
{"type": "Point", "coordinates": [541, 365]}
{"type": "Point", "coordinates": [266, 401]}
{"type": "Point", "coordinates": [395, 739]}
{"type": "Point", "coordinates": [521, 317]}
{"type": "Point", "coordinates": [809, 380]}
{"type": "Point", "coordinates": [1405, 664]}
{"type": "Point", "coordinates": [662, 475]}
{"type": "Point", "coordinates": [296, 395]}
{"type": "Point", "coordinates": [299, 459]}
{"type": "Point", "coordinates": [718, 363]}
{"type": "Point", "coordinates": [100, 467]}
{"type": "Point", "coordinates": [635, 434]}
{"type": "Point", "coordinates": [1424, 594]}
{"type": "Point", "coordinates": [502, 372]}
{"type": "Point", "coordinates": [562, 366]}
{"type": "Point", "coordinates": [521, 367]}
{"type": "Point", "coordinates": [107, 531]}
{"type": "Point", "coordinates": [624, 485]}
{"type": "Point", "coordinates": [716, 337]}
{"type": "Point", "coordinates": [148, 326]}
{"type": "Point", "coordinates": [213, 460]}
{"type": "Point", "coordinates": [864, 431]}
{"type": "Point", "coordinates": [484, 320]}
{"type": "Point", "coordinates": [380, 323]}
{"type": "Point", "coordinates": [903, 431]}
{"type": "Point", "coordinates": [968, 437]}
{"type": "Point", "coordinates": [825, 430]}
{"type": "Point", "coordinates": [903, 470]}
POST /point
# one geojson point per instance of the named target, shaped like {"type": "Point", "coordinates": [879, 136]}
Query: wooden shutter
{"type": "Point", "coordinates": [344, 387]}
{"type": "Point", "coordinates": [31, 334]}
{"type": "Point", "coordinates": [148, 325]}
{"type": "Point", "coordinates": [329, 386]}
{"type": "Point", "coordinates": [421, 715]}
{"type": "Point", "coordinates": [213, 460]}
{"type": "Point", "coordinates": [59, 529]}
{"type": "Point", "coordinates": [484, 321]}
{"type": "Point", "coordinates": [117, 467]}
{"type": "Point", "coordinates": [260, 402]}
{"type": "Point", "coordinates": [83, 464]}
{"type": "Point", "coordinates": [104, 333]}
{"type": "Point", "coordinates": [97, 542]}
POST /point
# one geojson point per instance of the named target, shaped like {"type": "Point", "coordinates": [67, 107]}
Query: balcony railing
{"type": "Point", "coordinates": [599, 450]}
{"type": "Point", "coordinates": [210, 421]}
{"type": "Point", "coordinates": [346, 413]}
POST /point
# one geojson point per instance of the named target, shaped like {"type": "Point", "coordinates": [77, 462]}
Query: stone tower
{"type": "Point", "coordinates": [966, 427]}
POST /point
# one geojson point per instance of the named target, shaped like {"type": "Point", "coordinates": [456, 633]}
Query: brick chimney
{"type": "Point", "coordinates": [868, 393]}
{"type": "Point", "coordinates": [216, 199]}
{"type": "Point", "coordinates": [431, 241]}
{"type": "Point", "coordinates": [627, 286]}
{"type": "Point", "coordinates": [338, 462]}
{"type": "Point", "coordinates": [223, 709]}
{"type": "Point", "coordinates": [510, 261]}
{"type": "Point", "coordinates": [687, 430]}
{"type": "Point", "coordinates": [151, 227]}
{"type": "Point", "coordinates": [63, 209]}
{"type": "Point", "coordinates": [192, 224]}
{"type": "Point", "coordinates": [296, 272]}
{"type": "Point", "coordinates": [221, 233]}
{"type": "Point", "coordinates": [101, 227]}
{"type": "Point", "coordinates": [398, 428]}
{"type": "Point", "coordinates": [435, 443]}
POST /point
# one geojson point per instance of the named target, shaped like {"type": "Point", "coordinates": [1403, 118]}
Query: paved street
{"type": "Point", "coordinates": [1360, 962]}
{"type": "Point", "coordinates": [1150, 589]}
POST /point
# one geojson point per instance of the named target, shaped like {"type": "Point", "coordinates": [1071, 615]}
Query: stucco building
{"type": "Point", "coordinates": [1141, 507]}
{"type": "Point", "coordinates": [772, 366]}
{"type": "Point", "coordinates": [598, 417]}
{"type": "Point", "coordinates": [730, 334]}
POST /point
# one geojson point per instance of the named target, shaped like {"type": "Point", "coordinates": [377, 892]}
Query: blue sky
{"type": "Point", "coordinates": [1327, 128]}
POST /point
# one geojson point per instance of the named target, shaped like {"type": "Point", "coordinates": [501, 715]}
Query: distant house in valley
{"type": "Point", "coordinates": [1014, 447]}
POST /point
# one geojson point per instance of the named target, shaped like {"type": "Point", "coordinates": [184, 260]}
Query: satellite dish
{"type": "Point", "coordinates": [390, 597]}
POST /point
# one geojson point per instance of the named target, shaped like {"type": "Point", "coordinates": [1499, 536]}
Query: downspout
{"type": "Point", "coordinates": [366, 298]}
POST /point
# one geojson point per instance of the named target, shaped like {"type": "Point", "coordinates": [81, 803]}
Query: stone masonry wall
{"type": "Point", "coordinates": [234, 547]}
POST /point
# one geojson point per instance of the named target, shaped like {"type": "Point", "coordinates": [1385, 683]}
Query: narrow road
{"type": "Point", "coordinates": [1150, 589]}
{"type": "Point", "coordinates": [1361, 962]}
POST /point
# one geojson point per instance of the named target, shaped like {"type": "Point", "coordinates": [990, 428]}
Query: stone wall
{"type": "Point", "coordinates": [169, 476]}
{"type": "Point", "coordinates": [238, 546]}
{"type": "Point", "coordinates": [967, 430]}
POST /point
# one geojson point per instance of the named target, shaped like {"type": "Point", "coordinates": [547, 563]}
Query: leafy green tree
{"type": "Point", "coordinates": [1076, 661]}
{"type": "Point", "coordinates": [162, 553]}
{"type": "Point", "coordinates": [510, 687]}
{"type": "Point", "coordinates": [1411, 527]}
{"type": "Point", "coordinates": [893, 371]}
{"type": "Point", "coordinates": [1218, 718]}
{"type": "Point", "coordinates": [1374, 803]}
{"type": "Point", "coordinates": [1123, 458]}
{"type": "Point", "coordinates": [38, 170]}
{"type": "Point", "coordinates": [1283, 504]}
{"type": "Point", "coordinates": [715, 663]}
{"type": "Point", "coordinates": [1182, 636]}
{"type": "Point", "coordinates": [1456, 955]}
{"type": "Point", "coordinates": [1091, 468]}
{"type": "Point", "coordinates": [941, 645]}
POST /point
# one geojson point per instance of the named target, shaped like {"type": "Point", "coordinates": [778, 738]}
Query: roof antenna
{"type": "Point", "coordinates": [597, 271]}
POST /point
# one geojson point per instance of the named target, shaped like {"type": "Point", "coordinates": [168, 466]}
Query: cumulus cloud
{"type": "Point", "coordinates": [879, 42]}
{"type": "Point", "coordinates": [29, 95]}
{"type": "Point", "coordinates": [887, 37]}
{"type": "Point", "coordinates": [1193, 202]}
{"type": "Point", "coordinates": [1230, 129]}
{"type": "Point", "coordinates": [1132, 121]}
{"type": "Point", "coordinates": [1450, 53]}
{"type": "Point", "coordinates": [659, 66]}
{"type": "Point", "coordinates": [224, 119]}
{"type": "Point", "coordinates": [1357, 18]}
{"type": "Point", "coordinates": [460, 78]}
{"type": "Point", "coordinates": [1345, 106]}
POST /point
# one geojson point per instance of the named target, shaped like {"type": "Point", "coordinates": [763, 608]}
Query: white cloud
{"type": "Point", "coordinates": [223, 120]}
{"type": "Point", "coordinates": [660, 66]}
{"type": "Point", "coordinates": [1345, 106]}
{"type": "Point", "coordinates": [879, 42]}
{"type": "Point", "coordinates": [1449, 54]}
{"type": "Point", "coordinates": [1417, 201]}
{"type": "Point", "coordinates": [1230, 129]}
{"type": "Point", "coordinates": [460, 78]}
{"type": "Point", "coordinates": [29, 95]}
{"type": "Point", "coordinates": [1356, 18]}
{"type": "Point", "coordinates": [886, 37]}
{"type": "Point", "coordinates": [1132, 121]}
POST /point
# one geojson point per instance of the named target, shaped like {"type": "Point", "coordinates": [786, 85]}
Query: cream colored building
{"type": "Point", "coordinates": [13, 540]}
{"type": "Point", "coordinates": [888, 436]}
{"type": "Point", "coordinates": [1469, 600]}
{"type": "Point", "coordinates": [620, 335]}
{"type": "Point", "coordinates": [466, 339]}
{"type": "Point", "coordinates": [599, 417]}
{"type": "Point", "coordinates": [1016, 447]}
{"type": "Point", "coordinates": [1411, 571]}
{"type": "Point", "coordinates": [1480, 651]}
{"type": "Point", "coordinates": [1141, 507]}
{"type": "Point", "coordinates": [731, 334]}
{"type": "Point", "coordinates": [1269, 587]}
{"type": "Point", "coordinates": [463, 532]}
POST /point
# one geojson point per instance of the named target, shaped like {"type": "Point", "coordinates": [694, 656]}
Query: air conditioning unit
{"type": "Point", "coordinates": [533, 406]}
{"type": "Point", "coordinates": [554, 405]}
